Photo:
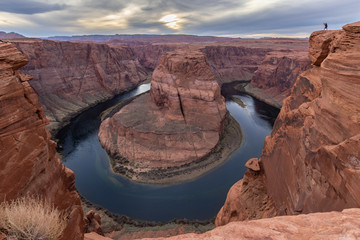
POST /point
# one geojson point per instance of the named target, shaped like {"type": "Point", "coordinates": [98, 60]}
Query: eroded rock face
{"type": "Point", "coordinates": [311, 160]}
{"type": "Point", "coordinates": [248, 198]}
{"type": "Point", "coordinates": [316, 136]}
{"type": "Point", "coordinates": [234, 63]}
{"type": "Point", "coordinates": [28, 164]}
{"type": "Point", "coordinates": [178, 122]}
{"type": "Point", "coordinates": [270, 64]}
{"type": "Point", "coordinates": [70, 77]}
{"type": "Point", "coordinates": [278, 71]}
{"type": "Point", "coordinates": [331, 225]}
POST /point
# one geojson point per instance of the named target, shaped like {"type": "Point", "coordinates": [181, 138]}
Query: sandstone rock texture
{"type": "Point", "coordinates": [316, 136]}
{"type": "Point", "coordinates": [272, 65]}
{"type": "Point", "coordinates": [331, 225]}
{"type": "Point", "coordinates": [278, 71]}
{"type": "Point", "coordinates": [178, 122]}
{"type": "Point", "coordinates": [234, 63]}
{"type": "Point", "coordinates": [70, 77]}
{"type": "Point", "coordinates": [248, 198]}
{"type": "Point", "coordinates": [28, 164]}
{"type": "Point", "coordinates": [311, 160]}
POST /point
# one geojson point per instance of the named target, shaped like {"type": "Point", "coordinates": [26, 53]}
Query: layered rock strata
{"type": "Point", "coordinates": [272, 65]}
{"type": "Point", "coordinates": [276, 75]}
{"type": "Point", "coordinates": [331, 225]}
{"type": "Point", "coordinates": [28, 164]}
{"type": "Point", "coordinates": [70, 77]}
{"type": "Point", "coordinates": [234, 63]}
{"type": "Point", "coordinates": [180, 121]}
{"type": "Point", "coordinates": [311, 160]}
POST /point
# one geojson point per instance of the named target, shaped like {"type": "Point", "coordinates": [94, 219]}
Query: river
{"type": "Point", "coordinates": [198, 199]}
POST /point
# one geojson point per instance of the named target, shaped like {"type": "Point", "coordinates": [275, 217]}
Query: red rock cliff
{"type": "Point", "coordinates": [70, 77]}
{"type": "Point", "coordinates": [179, 122]}
{"type": "Point", "coordinates": [271, 64]}
{"type": "Point", "coordinates": [28, 164]}
{"type": "Point", "coordinates": [311, 160]}
{"type": "Point", "coordinates": [278, 71]}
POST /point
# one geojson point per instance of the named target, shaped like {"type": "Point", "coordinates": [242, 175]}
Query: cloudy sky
{"type": "Point", "coordinates": [237, 18]}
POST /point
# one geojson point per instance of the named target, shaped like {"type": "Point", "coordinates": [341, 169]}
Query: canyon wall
{"type": "Point", "coordinates": [272, 65]}
{"type": "Point", "coordinates": [70, 77]}
{"type": "Point", "coordinates": [277, 73]}
{"type": "Point", "coordinates": [310, 163]}
{"type": "Point", "coordinates": [28, 164]}
{"type": "Point", "coordinates": [234, 63]}
{"type": "Point", "coordinates": [180, 121]}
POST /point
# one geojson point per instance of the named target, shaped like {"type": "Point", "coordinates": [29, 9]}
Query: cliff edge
{"type": "Point", "coordinates": [28, 164]}
{"type": "Point", "coordinates": [310, 163]}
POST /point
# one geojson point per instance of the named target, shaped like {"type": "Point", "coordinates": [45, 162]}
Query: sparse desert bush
{"type": "Point", "coordinates": [31, 218]}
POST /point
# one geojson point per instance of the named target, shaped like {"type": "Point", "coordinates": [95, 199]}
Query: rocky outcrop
{"type": "Point", "coordinates": [248, 198]}
{"type": "Point", "coordinates": [28, 164]}
{"type": "Point", "coordinates": [311, 160]}
{"type": "Point", "coordinates": [70, 77]}
{"type": "Point", "coordinates": [184, 117]}
{"type": "Point", "coordinates": [93, 223]}
{"type": "Point", "coordinates": [331, 225]}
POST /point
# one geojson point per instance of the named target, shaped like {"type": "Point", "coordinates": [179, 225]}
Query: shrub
{"type": "Point", "coordinates": [31, 218]}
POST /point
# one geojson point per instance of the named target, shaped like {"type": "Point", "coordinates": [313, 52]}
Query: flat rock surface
{"type": "Point", "coordinates": [331, 225]}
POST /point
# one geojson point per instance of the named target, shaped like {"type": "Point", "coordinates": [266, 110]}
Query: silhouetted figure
{"type": "Point", "coordinates": [325, 26]}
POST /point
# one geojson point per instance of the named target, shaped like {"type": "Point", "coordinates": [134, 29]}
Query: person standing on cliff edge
{"type": "Point", "coordinates": [325, 25]}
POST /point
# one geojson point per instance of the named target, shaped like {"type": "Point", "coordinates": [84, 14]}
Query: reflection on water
{"type": "Point", "coordinates": [198, 199]}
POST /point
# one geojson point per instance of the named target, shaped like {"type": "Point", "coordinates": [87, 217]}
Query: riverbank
{"type": "Point", "coordinates": [229, 142]}
{"type": "Point", "coordinates": [121, 227]}
{"type": "Point", "coordinates": [83, 154]}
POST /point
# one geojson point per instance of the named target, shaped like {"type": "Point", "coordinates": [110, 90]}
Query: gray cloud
{"type": "Point", "coordinates": [28, 6]}
{"type": "Point", "coordinates": [201, 17]}
{"type": "Point", "coordinates": [111, 5]}
{"type": "Point", "coordinates": [283, 19]}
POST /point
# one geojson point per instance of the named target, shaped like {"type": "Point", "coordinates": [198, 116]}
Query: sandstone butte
{"type": "Point", "coordinates": [178, 122]}
{"type": "Point", "coordinates": [311, 161]}
{"type": "Point", "coordinates": [70, 77]}
{"type": "Point", "coordinates": [28, 164]}
{"type": "Point", "coordinates": [270, 65]}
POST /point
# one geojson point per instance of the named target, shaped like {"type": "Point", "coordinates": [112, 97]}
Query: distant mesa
{"type": "Point", "coordinates": [180, 121]}
{"type": "Point", "coordinates": [10, 35]}
{"type": "Point", "coordinates": [171, 38]}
